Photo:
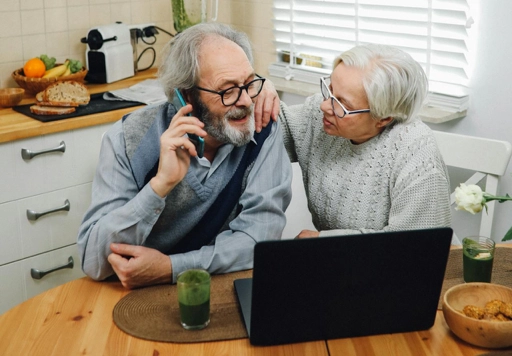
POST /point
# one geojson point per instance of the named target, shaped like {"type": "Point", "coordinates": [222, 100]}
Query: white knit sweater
{"type": "Point", "coordinates": [395, 181]}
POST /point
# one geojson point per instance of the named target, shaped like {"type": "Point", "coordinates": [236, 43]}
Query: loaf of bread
{"type": "Point", "coordinates": [66, 93]}
{"type": "Point", "coordinates": [61, 97]}
{"type": "Point", "coordinates": [51, 110]}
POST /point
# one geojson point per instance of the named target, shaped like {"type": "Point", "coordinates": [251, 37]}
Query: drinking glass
{"type": "Point", "coordinates": [477, 258]}
{"type": "Point", "coordinates": [194, 298]}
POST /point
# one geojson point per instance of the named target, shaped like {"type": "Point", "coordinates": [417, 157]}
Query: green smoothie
{"type": "Point", "coordinates": [477, 261]}
{"type": "Point", "coordinates": [194, 298]}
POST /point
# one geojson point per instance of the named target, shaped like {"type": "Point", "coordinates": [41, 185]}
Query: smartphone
{"type": "Point", "coordinates": [198, 141]}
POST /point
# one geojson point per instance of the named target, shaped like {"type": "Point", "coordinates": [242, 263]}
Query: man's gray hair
{"type": "Point", "coordinates": [395, 84]}
{"type": "Point", "coordinates": [180, 60]}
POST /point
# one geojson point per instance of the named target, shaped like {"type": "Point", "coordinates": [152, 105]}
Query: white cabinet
{"type": "Point", "coordinates": [42, 202]}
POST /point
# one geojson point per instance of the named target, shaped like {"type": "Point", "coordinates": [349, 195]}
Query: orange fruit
{"type": "Point", "coordinates": [34, 68]}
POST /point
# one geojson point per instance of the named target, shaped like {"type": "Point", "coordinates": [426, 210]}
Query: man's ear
{"type": "Point", "coordinates": [186, 96]}
{"type": "Point", "coordinates": [383, 122]}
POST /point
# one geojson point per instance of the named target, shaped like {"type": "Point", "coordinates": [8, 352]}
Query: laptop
{"type": "Point", "coordinates": [344, 286]}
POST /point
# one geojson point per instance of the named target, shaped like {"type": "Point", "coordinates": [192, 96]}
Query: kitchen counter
{"type": "Point", "coordinates": [15, 126]}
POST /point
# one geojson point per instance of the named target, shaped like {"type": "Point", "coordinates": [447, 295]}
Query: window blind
{"type": "Point", "coordinates": [309, 34]}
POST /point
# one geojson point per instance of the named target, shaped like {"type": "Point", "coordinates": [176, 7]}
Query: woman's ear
{"type": "Point", "coordinates": [383, 122]}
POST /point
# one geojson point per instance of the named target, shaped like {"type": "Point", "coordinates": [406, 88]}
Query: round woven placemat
{"type": "Point", "coordinates": [152, 313]}
{"type": "Point", "coordinates": [501, 270]}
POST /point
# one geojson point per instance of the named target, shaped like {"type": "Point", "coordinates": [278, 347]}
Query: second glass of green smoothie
{"type": "Point", "coordinates": [477, 258]}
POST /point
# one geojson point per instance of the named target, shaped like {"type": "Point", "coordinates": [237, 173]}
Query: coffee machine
{"type": "Point", "coordinates": [109, 53]}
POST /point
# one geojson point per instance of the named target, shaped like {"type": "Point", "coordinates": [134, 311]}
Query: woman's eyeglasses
{"type": "Point", "coordinates": [339, 110]}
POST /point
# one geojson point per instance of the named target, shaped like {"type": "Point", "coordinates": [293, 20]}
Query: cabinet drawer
{"type": "Point", "coordinates": [51, 170]}
{"type": "Point", "coordinates": [22, 237]}
{"type": "Point", "coordinates": [17, 284]}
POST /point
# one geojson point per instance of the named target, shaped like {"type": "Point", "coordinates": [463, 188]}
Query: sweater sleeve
{"type": "Point", "coordinates": [118, 211]}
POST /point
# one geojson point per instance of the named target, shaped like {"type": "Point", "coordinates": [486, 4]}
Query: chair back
{"type": "Point", "coordinates": [488, 158]}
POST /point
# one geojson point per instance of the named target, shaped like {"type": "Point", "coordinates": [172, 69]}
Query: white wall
{"type": "Point", "coordinates": [490, 111]}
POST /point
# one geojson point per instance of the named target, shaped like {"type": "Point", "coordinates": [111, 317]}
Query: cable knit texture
{"type": "Point", "coordinates": [395, 181]}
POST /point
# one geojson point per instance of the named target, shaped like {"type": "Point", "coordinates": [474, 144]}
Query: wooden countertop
{"type": "Point", "coordinates": [15, 126]}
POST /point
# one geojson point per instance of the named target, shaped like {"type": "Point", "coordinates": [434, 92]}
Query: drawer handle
{"type": "Point", "coordinates": [33, 215]}
{"type": "Point", "coordinates": [28, 154]}
{"type": "Point", "coordinates": [37, 274]}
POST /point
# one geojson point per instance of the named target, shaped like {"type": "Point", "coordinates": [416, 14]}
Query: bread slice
{"type": "Point", "coordinates": [65, 93]}
{"type": "Point", "coordinates": [51, 110]}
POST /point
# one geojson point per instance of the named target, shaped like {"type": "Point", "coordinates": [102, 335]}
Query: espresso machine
{"type": "Point", "coordinates": [109, 54]}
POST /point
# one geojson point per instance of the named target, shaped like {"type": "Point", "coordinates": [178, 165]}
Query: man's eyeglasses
{"type": "Point", "coordinates": [231, 95]}
{"type": "Point", "coordinates": [338, 108]}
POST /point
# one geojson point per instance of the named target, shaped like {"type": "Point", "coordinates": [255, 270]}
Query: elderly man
{"type": "Point", "coordinates": [157, 207]}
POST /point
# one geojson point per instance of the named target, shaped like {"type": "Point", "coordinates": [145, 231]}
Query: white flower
{"type": "Point", "coordinates": [469, 198]}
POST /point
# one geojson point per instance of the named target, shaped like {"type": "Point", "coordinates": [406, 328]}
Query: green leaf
{"type": "Point", "coordinates": [508, 235]}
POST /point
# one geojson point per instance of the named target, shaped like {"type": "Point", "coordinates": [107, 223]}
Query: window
{"type": "Point", "coordinates": [310, 33]}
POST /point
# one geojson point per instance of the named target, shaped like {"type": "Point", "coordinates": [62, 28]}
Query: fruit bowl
{"type": "Point", "coordinates": [35, 85]}
{"type": "Point", "coordinates": [479, 332]}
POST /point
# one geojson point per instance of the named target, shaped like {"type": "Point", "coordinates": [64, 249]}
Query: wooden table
{"type": "Point", "coordinates": [76, 319]}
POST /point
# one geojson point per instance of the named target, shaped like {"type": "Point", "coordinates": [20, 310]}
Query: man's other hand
{"type": "Point", "coordinates": [139, 266]}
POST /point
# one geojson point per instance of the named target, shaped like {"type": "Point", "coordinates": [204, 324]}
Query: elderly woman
{"type": "Point", "coordinates": [369, 164]}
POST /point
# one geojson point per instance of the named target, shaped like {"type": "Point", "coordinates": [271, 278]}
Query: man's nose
{"type": "Point", "coordinates": [244, 99]}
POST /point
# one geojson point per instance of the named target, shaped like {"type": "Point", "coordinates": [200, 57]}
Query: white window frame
{"type": "Point", "coordinates": [435, 32]}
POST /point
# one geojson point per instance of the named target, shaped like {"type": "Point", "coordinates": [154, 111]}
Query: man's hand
{"type": "Point", "coordinates": [175, 151]}
{"type": "Point", "coordinates": [139, 266]}
{"type": "Point", "coordinates": [307, 233]}
{"type": "Point", "coordinates": [266, 106]}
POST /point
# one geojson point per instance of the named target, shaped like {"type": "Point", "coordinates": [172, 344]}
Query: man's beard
{"type": "Point", "coordinates": [219, 127]}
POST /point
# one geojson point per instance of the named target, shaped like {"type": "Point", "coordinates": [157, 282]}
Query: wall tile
{"type": "Point", "coordinates": [76, 47]}
{"type": "Point", "coordinates": [6, 70]}
{"type": "Point", "coordinates": [259, 15]}
{"type": "Point", "coordinates": [238, 13]}
{"type": "Point", "coordinates": [141, 13]}
{"type": "Point", "coordinates": [99, 15]}
{"type": "Point", "coordinates": [161, 10]}
{"type": "Point", "coordinates": [12, 49]}
{"type": "Point", "coordinates": [31, 4]}
{"type": "Point", "coordinates": [56, 19]}
{"type": "Point", "coordinates": [120, 12]}
{"type": "Point", "coordinates": [34, 46]}
{"type": "Point", "coordinates": [10, 24]}
{"type": "Point", "coordinates": [96, 2]}
{"type": "Point", "coordinates": [78, 18]}
{"type": "Point", "coordinates": [78, 2]}
{"type": "Point", "coordinates": [10, 5]}
{"type": "Point", "coordinates": [224, 14]}
{"type": "Point", "coordinates": [57, 45]}
{"type": "Point", "coordinates": [32, 22]}
{"type": "Point", "coordinates": [49, 4]}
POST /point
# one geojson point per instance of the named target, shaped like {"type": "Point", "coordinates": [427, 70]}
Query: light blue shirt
{"type": "Point", "coordinates": [120, 213]}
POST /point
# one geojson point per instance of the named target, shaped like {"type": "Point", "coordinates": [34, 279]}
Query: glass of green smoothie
{"type": "Point", "coordinates": [194, 298]}
{"type": "Point", "coordinates": [477, 258]}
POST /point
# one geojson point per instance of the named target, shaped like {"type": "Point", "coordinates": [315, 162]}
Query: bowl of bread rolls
{"type": "Point", "coordinates": [480, 313]}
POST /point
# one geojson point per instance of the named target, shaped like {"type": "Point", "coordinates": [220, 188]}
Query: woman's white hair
{"type": "Point", "coordinates": [395, 84]}
{"type": "Point", "coordinates": [180, 60]}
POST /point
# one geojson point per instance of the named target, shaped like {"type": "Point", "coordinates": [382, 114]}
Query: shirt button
{"type": "Point", "coordinates": [157, 211]}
